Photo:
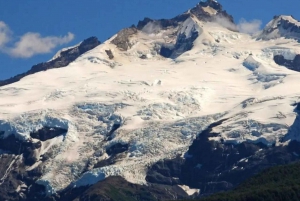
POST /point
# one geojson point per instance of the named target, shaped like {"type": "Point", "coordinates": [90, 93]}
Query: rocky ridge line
{"type": "Point", "coordinates": [65, 58]}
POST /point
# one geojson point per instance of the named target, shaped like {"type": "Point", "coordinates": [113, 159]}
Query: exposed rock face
{"type": "Point", "coordinates": [117, 148]}
{"type": "Point", "coordinates": [18, 147]}
{"type": "Point", "coordinates": [211, 3]}
{"type": "Point", "coordinates": [281, 26]}
{"type": "Point", "coordinates": [297, 61]}
{"type": "Point", "coordinates": [199, 11]}
{"type": "Point", "coordinates": [208, 165]}
{"type": "Point", "coordinates": [291, 64]}
{"type": "Point", "coordinates": [17, 179]}
{"type": "Point", "coordinates": [109, 54]}
{"type": "Point", "coordinates": [184, 43]}
{"type": "Point", "coordinates": [17, 182]}
{"type": "Point", "coordinates": [205, 11]}
{"type": "Point", "coordinates": [163, 23]}
{"type": "Point", "coordinates": [166, 172]}
{"type": "Point", "coordinates": [111, 189]}
{"type": "Point", "coordinates": [214, 166]}
{"type": "Point", "coordinates": [9, 193]}
{"type": "Point", "coordinates": [47, 133]}
{"type": "Point", "coordinates": [118, 189]}
{"type": "Point", "coordinates": [63, 60]}
{"type": "Point", "coordinates": [122, 40]}
{"type": "Point", "coordinates": [115, 152]}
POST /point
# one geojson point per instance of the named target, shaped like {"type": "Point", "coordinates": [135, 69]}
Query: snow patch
{"type": "Point", "coordinates": [189, 191]}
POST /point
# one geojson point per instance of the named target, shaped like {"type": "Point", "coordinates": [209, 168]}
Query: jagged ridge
{"type": "Point", "coordinates": [64, 59]}
{"type": "Point", "coordinates": [153, 120]}
{"type": "Point", "coordinates": [281, 26]}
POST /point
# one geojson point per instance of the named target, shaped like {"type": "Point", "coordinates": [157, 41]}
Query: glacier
{"type": "Point", "coordinates": [156, 106]}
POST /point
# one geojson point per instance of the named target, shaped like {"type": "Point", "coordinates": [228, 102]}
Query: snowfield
{"type": "Point", "coordinates": [160, 104]}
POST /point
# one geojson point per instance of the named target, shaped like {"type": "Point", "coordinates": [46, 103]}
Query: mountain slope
{"type": "Point", "coordinates": [167, 102]}
{"type": "Point", "coordinates": [278, 183]}
{"type": "Point", "coordinates": [61, 59]}
{"type": "Point", "coordinates": [281, 26]}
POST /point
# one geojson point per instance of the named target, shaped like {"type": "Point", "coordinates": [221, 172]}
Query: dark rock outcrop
{"type": "Point", "coordinates": [115, 127]}
{"type": "Point", "coordinates": [280, 183]}
{"type": "Point", "coordinates": [182, 45]}
{"type": "Point", "coordinates": [163, 23]}
{"type": "Point", "coordinates": [290, 64]}
{"type": "Point", "coordinates": [197, 11]}
{"type": "Point", "coordinates": [200, 13]}
{"type": "Point", "coordinates": [183, 42]}
{"type": "Point", "coordinates": [18, 147]}
{"type": "Point", "coordinates": [18, 183]}
{"type": "Point", "coordinates": [122, 40]}
{"type": "Point", "coordinates": [115, 153]}
{"type": "Point", "coordinates": [214, 166]}
{"type": "Point", "coordinates": [281, 26]}
{"type": "Point", "coordinates": [117, 149]}
{"type": "Point", "coordinates": [111, 189]}
{"type": "Point", "coordinates": [211, 3]}
{"type": "Point", "coordinates": [63, 60]}
{"type": "Point", "coordinates": [166, 172]}
{"type": "Point", "coordinates": [142, 23]}
{"type": "Point", "coordinates": [143, 56]}
{"type": "Point", "coordinates": [109, 54]}
{"type": "Point", "coordinates": [17, 180]}
{"type": "Point", "coordinates": [118, 189]}
{"type": "Point", "coordinates": [47, 133]}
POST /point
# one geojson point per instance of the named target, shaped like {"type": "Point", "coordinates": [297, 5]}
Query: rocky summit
{"type": "Point", "coordinates": [281, 26]}
{"type": "Point", "coordinates": [166, 109]}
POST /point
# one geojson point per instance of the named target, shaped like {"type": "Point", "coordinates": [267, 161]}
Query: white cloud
{"type": "Point", "coordinates": [5, 34]}
{"type": "Point", "coordinates": [33, 43]}
{"type": "Point", "coordinates": [249, 27]}
{"type": "Point", "coordinates": [244, 26]}
{"type": "Point", "coordinates": [30, 43]}
{"type": "Point", "coordinates": [225, 22]}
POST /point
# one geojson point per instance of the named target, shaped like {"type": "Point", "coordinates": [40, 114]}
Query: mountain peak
{"type": "Point", "coordinates": [279, 19]}
{"type": "Point", "coordinates": [181, 31]}
{"type": "Point", "coordinates": [281, 26]}
{"type": "Point", "coordinates": [210, 10]}
{"type": "Point", "coordinates": [206, 11]}
{"type": "Point", "coordinates": [156, 112]}
{"type": "Point", "coordinates": [211, 3]}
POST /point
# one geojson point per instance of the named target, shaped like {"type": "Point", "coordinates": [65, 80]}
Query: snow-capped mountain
{"type": "Point", "coordinates": [183, 107]}
{"type": "Point", "coordinates": [281, 26]}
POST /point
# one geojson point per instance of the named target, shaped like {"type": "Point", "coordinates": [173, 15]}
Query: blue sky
{"type": "Point", "coordinates": [63, 23]}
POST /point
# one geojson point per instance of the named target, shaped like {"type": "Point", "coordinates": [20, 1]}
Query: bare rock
{"type": "Point", "coordinates": [290, 64]}
{"type": "Point", "coordinates": [109, 54]}
{"type": "Point", "coordinates": [122, 40]}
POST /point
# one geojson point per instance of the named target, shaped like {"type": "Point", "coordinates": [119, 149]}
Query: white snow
{"type": "Point", "coordinates": [286, 18]}
{"type": "Point", "coordinates": [210, 10]}
{"type": "Point", "coordinates": [188, 27]}
{"type": "Point", "coordinates": [189, 190]}
{"type": "Point", "coordinates": [161, 104]}
{"type": "Point", "coordinates": [274, 29]}
{"type": "Point", "coordinates": [58, 54]}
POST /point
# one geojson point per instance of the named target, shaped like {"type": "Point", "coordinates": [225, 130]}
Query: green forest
{"type": "Point", "coordinates": [281, 183]}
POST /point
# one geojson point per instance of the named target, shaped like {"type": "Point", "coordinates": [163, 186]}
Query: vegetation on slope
{"type": "Point", "coordinates": [280, 183]}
